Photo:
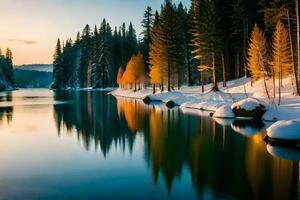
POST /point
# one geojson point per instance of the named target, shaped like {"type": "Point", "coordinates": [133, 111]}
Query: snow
{"type": "Point", "coordinates": [247, 104]}
{"type": "Point", "coordinates": [224, 112]}
{"type": "Point", "coordinates": [141, 94]}
{"type": "Point", "coordinates": [285, 130]}
{"type": "Point", "coordinates": [108, 89]}
{"type": "Point", "coordinates": [239, 91]}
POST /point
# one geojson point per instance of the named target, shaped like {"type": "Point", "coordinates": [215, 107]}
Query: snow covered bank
{"type": "Point", "coordinates": [109, 89]}
{"type": "Point", "coordinates": [141, 94]}
{"type": "Point", "coordinates": [191, 97]}
{"type": "Point", "coordinates": [285, 130]}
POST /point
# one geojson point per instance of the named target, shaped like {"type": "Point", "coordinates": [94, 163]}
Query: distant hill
{"type": "Point", "coordinates": [32, 78]}
{"type": "Point", "coordinates": [36, 67]}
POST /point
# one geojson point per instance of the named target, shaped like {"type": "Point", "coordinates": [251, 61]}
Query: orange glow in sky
{"type": "Point", "coordinates": [30, 28]}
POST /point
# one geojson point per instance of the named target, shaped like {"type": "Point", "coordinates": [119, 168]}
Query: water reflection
{"type": "Point", "coordinates": [284, 152]}
{"type": "Point", "coordinates": [248, 128]}
{"type": "Point", "coordinates": [221, 163]}
{"type": "Point", "coordinates": [6, 112]}
{"type": "Point", "coordinates": [95, 119]}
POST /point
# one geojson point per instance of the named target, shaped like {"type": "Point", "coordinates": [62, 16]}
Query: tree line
{"type": "Point", "coordinates": [94, 58]}
{"type": "Point", "coordinates": [7, 79]}
{"type": "Point", "coordinates": [210, 41]}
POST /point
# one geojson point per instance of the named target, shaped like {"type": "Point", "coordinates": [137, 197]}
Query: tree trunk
{"type": "Point", "coordinates": [202, 81]}
{"type": "Point", "coordinates": [162, 86]}
{"type": "Point", "coordinates": [135, 85]}
{"type": "Point", "coordinates": [214, 87]}
{"type": "Point", "coordinates": [245, 39]}
{"type": "Point", "coordinates": [274, 86]}
{"type": "Point", "coordinates": [154, 88]}
{"type": "Point", "coordinates": [237, 72]}
{"type": "Point", "coordinates": [190, 81]}
{"type": "Point", "coordinates": [298, 39]}
{"type": "Point", "coordinates": [169, 75]}
{"type": "Point", "coordinates": [173, 83]}
{"type": "Point", "coordinates": [224, 71]}
{"type": "Point", "coordinates": [297, 92]}
{"type": "Point", "coordinates": [266, 88]}
{"type": "Point", "coordinates": [280, 81]}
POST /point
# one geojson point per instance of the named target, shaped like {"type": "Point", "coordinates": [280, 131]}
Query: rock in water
{"type": "Point", "coordinates": [171, 104]}
{"type": "Point", "coordinates": [249, 108]}
{"type": "Point", "coordinates": [147, 100]}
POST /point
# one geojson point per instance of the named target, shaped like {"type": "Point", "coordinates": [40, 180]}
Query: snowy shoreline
{"type": "Point", "coordinates": [191, 97]}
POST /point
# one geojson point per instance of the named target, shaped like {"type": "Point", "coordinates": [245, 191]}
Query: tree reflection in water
{"type": "Point", "coordinates": [95, 119]}
{"type": "Point", "coordinates": [6, 112]}
{"type": "Point", "coordinates": [222, 162]}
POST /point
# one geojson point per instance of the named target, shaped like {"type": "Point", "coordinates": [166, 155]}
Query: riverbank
{"type": "Point", "coordinates": [236, 90]}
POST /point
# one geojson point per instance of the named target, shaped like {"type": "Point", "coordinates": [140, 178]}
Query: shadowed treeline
{"type": "Point", "coordinates": [221, 162]}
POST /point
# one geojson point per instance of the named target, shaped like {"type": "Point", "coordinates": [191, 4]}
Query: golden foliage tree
{"type": "Point", "coordinates": [155, 77]}
{"type": "Point", "coordinates": [120, 76]}
{"type": "Point", "coordinates": [257, 56]}
{"type": "Point", "coordinates": [135, 71]}
{"type": "Point", "coordinates": [282, 57]}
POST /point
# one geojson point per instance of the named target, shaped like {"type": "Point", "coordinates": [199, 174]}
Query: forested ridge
{"type": "Point", "coordinates": [210, 41]}
{"type": "Point", "coordinates": [7, 79]}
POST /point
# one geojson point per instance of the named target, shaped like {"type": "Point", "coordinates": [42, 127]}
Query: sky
{"type": "Point", "coordinates": [31, 27]}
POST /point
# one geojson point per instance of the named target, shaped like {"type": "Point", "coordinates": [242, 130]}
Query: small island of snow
{"type": "Point", "coordinates": [224, 112]}
{"type": "Point", "coordinates": [285, 130]}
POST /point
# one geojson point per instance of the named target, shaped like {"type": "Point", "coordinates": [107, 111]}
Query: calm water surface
{"type": "Point", "coordinates": [88, 145]}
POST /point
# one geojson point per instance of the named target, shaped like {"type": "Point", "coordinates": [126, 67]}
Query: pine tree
{"type": "Point", "coordinates": [131, 42]}
{"type": "Point", "coordinates": [257, 57]}
{"type": "Point", "coordinates": [206, 37]}
{"type": "Point", "coordinates": [147, 23]}
{"type": "Point", "coordinates": [102, 73]}
{"type": "Point", "coordinates": [166, 44]}
{"type": "Point", "coordinates": [273, 10]}
{"type": "Point", "coordinates": [282, 57]}
{"type": "Point", "coordinates": [184, 44]}
{"type": "Point", "coordinates": [57, 67]}
{"type": "Point", "coordinates": [157, 55]}
{"type": "Point", "coordinates": [238, 34]}
{"type": "Point", "coordinates": [116, 50]}
{"type": "Point", "coordinates": [8, 68]}
{"type": "Point", "coordinates": [86, 56]}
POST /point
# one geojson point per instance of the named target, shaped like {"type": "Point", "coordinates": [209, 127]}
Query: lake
{"type": "Point", "coordinates": [88, 145]}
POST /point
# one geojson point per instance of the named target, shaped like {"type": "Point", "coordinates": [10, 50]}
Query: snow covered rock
{"type": "Point", "coordinates": [249, 108]}
{"type": "Point", "coordinates": [288, 130]}
{"type": "Point", "coordinates": [171, 104]}
{"type": "Point", "coordinates": [147, 100]}
{"type": "Point", "coordinates": [224, 112]}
